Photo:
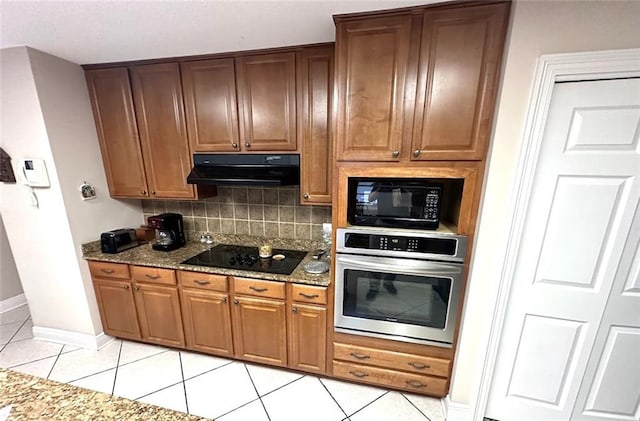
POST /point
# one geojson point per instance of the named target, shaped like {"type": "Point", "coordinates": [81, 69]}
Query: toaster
{"type": "Point", "coordinates": [118, 240]}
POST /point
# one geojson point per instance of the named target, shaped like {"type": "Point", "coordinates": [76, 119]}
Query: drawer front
{"type": "Point", "coordinates": [309, 294]}
{"type": "Point", "coordinates": [258, 288]}
{"type": "Point", "coordinates": [203, 281]}
{"type": "Point", "coordinates": [434, 386]}
{"type": "Point", "coordinates": [390, 359]}
{"type": "Point", "coordinates": [109, 270]}
{"type": "Point", "coordinates": [153, 275]}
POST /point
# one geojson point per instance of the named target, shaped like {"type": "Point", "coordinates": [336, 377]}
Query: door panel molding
{"type": "Point", "coordinates": [551, 68]}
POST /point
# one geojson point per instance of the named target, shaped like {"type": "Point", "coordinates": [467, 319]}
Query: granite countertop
{"type": "Point", "coordinates": [144, 255]}
{"type": "Point", "coordinates": [33, 398]}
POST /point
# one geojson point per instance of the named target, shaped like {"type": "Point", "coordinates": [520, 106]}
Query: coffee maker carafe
{"type": "Point", "coordinates": [169, 231]}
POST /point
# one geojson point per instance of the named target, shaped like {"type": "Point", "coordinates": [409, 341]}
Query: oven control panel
{"type": "Point", "coordinates": [386, 242]}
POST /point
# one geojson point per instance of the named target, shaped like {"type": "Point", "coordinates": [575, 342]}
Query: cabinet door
{"type": "Point", "coordinates": [160, 113]}
{"type": "Point", "coordinates": [308, 338]}
{"type": "Point", "coordinates": [371, 72]}
{"type": "Point", "coordinates": [207, 321]}
{"type": "Point", "coordinates": [112, 104]}
{"type": "Point", "coordinates": [159, 314]}
{"type": "Point", "coordinates": [260, 330]}
{"type": "Point", "coordinates": [266, 91]}
{"type": "Point", "coordinates": [460, 57]}
{"type": "Point", "coordinates": [211, 105]}
{"type": "Point", "coordinates": [315, 87]}
{"type": "Point", "coordinates": [117, 308]}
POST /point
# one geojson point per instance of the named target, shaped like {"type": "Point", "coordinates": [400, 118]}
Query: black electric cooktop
{"type": "Point", "coordinates": [246, 258]}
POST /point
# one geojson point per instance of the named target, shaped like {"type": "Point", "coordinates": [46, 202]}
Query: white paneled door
{"type": "Point", "coordinates": [570, 348]}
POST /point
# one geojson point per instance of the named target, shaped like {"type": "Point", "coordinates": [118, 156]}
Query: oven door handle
{"type": "Point", "coordinates": [407, 266]}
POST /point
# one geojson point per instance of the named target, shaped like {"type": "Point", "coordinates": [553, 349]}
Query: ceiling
{"type": "Point", "coordinates": [86, 32]}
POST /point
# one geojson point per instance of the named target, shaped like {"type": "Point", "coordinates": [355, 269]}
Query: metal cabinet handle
{"type": "Point", "coordinates": [415, 383]}
{"type": "Point", "coordinates": [126, 287]}
{"type": "Point", "coordinates": [151, 276]}
{"type": "Point", "coordinates": [224, 299]}
{"type": "Point", "coordinates": [144, 192]}
{"type": "Point", "coordinates": [236, 302]}
{"type": "Point", "coordinates": [416, 153]}
{"type": "Point", "coordinates": [395, 153]}
{"type": "Point", "coordinates": [419, 366]}
{"type": "Point", "coordinates": [234, 145]}
{"type": "Point", "coordinates": [137, 288]}
{"type": "Point", "coordinates": [248, 145]}
{"type": "Point", "coordinates": [256, 289]}
{"type": "Point", "coordinates": [294, 309]}
{"type": "Point", "coordinates": [306, 195]}
{"type": "Point", "coordinates": [153, 193]}
{"type": "Point", "coordinates": [309, 295]}
{"type": "Point", "coordinates": [199, 282]}
{"type": "Point", "coordinates": [359, 374]}
{"type": "Point", "coordinates": [359, 356]}
{"type": "Point", "coordinates": [107, 271]}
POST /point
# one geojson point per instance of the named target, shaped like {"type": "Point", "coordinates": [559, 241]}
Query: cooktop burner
{"type": "Point", "coordinates": [246, 258]}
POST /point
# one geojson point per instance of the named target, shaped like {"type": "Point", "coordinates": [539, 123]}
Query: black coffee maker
{"type": "Point", "coordinates": [169, 231]}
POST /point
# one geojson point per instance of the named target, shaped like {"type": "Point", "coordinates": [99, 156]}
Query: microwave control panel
{"type": "Point", "coordinates": [432, 205]}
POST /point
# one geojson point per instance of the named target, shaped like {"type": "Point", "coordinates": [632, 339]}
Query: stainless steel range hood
{"type": "Point", "coordinates": [245, 170]}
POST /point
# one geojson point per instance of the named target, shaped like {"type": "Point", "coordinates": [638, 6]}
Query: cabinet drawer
{"type": "Point", "coordinates": [309, 294]}
{"type": "Point", "coordinates": [109, 270]}
{"type": "Point", "coordinates": [390, 359]}
{"type": "Point", "coordinates": [258, 287]}
{"type": "Point", "coordinates": [421, 384]}
{"type": "Point", "coordinates": [153, 275]}
{"type": "Point", "coordinates": [203, 281]}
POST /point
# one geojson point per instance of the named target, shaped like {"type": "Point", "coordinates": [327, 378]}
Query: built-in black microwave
{"type": "Point", "coordinates": [394, 203]}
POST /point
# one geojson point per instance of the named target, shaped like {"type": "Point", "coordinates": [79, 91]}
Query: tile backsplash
{"type": "Point", "coordinates": [273, 212]}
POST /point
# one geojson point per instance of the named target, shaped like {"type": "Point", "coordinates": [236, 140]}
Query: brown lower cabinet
{"type": "Point", "coordinates": [307, 338]}
{"type": "Point", "coordinates": [117, 308]}
{"type": "Point", "coordinates": [159, 314]}
{"type": "Point", "coordinates": [260, 330]}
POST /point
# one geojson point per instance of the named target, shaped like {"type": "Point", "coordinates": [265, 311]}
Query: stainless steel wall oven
{"type": "Point", "coordinates": [397, 284]}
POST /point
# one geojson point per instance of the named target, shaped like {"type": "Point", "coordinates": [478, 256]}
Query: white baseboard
{"type": "Point", "coordinates": [456, 411]}
{"type": "Point", "coordinates": [66, 337]}
{"type": "Point", "coordinates": [11, 303]}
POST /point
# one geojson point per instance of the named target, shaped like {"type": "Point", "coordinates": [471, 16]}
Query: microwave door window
{"type": "Point", "coordinates": [414, 300]}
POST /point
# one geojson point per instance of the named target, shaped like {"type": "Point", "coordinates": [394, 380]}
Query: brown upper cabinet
{"type": "Point", "coordinates": [114, 115]}
{"type": "Point", "coordinates": [211, 105]}
{"type": "Point", "coordinates": [372, 57]}
{"type": "Point", "coordinates": [418, 87]}
{"type": "Point", "coordinates": [266, 90]}
{"type": "Point", "coordinates": [159, 108]}
{"type": "Point", "coordinates": [314, 90]}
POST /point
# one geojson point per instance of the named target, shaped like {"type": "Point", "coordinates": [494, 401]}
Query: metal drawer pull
{"type": "Point", "coordinates": [126, 287]}
{"type": "Point", "coordinates": [415, 383]}
{"type": "Point", "coordinates": [359, 374]}
{"type": "Point", "coordinates": [108, 271]}
{"type": "Point", "coordinates": [309, 295]}
{"type": "Point", "coordinates": [295, 309]}
{"type": "Point", "coordinates": [224, 299]}
{"type": "Point", "coordinates": [199, 282]}
{"type": "Point", "coordinates": [236, 302]}
{"type": "Point", "coordinates": [359, 356]}
{"type": "Point", "coordinates": [419, 366]}
{"type": "Point", "coordinates": [152, 276]}
{"type": "Point", "coordinates": [256, 289]}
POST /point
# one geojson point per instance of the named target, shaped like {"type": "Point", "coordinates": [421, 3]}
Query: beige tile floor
{"type": "Point", "coordinates": [203, 385]}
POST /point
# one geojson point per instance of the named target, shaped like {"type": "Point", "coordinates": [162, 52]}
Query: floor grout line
{"type": "Point", "coordinates": [115, 376]}
{"type": "Point", "coordinates": [332, 397]}
{"type": "Point", "coordinates": [414, 405]}
{"type": "Point", "coordinates": [257, 393]}
{"type": "Point", "coordinates": [384, 394]}
{"type": "Point", "coordinates": [284, 385]}
{"type": "Point", "coordinates": [15, 333]}
{"type": "Point", "coordinates": [184, 386]}
{"type": "Point", "coordinates": [54, 363]}
{"type": "Point", "coordinates": [209, 371]}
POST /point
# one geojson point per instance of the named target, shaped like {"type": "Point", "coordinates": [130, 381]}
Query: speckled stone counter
{"type": "Point", "coordinates": [33, 398]}
{"type": "Point", "coordinates": [144, 255]}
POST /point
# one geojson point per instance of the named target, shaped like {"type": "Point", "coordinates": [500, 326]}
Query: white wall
{"type": "Point", "coordinates": [44, 115]}
{"type": "Point", "coordinates": [9, 279]}
{"type": "Point", "coordinates": [537, 27]}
